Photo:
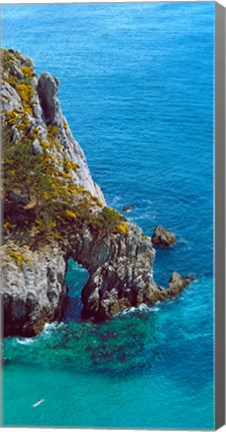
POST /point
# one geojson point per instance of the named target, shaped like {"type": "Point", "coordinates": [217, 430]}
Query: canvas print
{"type": "Point", "coordinates": [107, 253]}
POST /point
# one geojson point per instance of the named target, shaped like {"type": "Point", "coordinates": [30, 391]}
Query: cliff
{"type": "Point", "coordinates": [53, 211]}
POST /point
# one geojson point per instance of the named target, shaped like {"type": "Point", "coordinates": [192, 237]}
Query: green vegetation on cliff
{"type": "Point", "coordinates": [42, 200]}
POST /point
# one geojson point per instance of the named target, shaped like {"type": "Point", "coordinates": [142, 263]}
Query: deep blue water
{"type": "Point", "coordinates": [137, 90]}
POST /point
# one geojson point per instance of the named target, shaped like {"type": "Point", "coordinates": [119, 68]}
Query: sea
{"type": "Point", "coordinates": [137, 88]}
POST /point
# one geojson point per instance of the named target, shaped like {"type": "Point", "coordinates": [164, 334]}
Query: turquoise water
{"type": "Point", "coordinates": [137, 90]}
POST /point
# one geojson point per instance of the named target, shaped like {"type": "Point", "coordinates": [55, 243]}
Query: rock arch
{"type": "Point", "coordinates": [121, 272]}
{"type": "Point", "coordinates": [120, 276]}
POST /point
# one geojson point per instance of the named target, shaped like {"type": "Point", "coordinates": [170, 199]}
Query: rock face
{"type": "Point", "coordinates": [121, 276]}
{"type": "Point", "coordinates": [117, 255]}
{"type": "Point", "coordinates": [43, 111]}
{"type": "Point", "coordinates": [163, 237]}
{"type": "Point", "coordinates": [33, 288]}
{"type": "Point", "coordinates": [126, 280]}
{"type": "Point", "coordinates": [121, 273]}
{"type": "Point", "coordinates": [120, 269]}
{"type": "Point", "coordinates": [47, 91]}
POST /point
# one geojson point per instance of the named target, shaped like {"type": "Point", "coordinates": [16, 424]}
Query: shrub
{"type": "Point", "coordinates": [108, 221]}
{"type": "Point", "coordinates": [26, 71]}
{"type": "Point", "coordinates": [26, 92]}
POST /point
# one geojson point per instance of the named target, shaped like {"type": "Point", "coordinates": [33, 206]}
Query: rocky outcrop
{"type": "Point", "coordinates": [121, 276]}
{"type": "Point", "coordinates": [120, 269]}
{"type": "Point", "coordinates": [47, 91]}
{"type": "Point", "coordinates": [127, 208]}
{"type": "Point", "coordinates": [163, 237]}
{"type": "Point", "coordinates": [76, 223]}
{"type": "Point", "coordinates": [126, 281]}
{"type": "Point", "coordinates": [42, 114]}
{"type": "Point", "coordinates": [177, 283]}
{"type": "Point", "coordinates": [33, 288]}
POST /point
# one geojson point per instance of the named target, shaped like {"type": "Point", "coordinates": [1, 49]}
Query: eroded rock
{"type": "Point", "coordinates": [177, 283]}
{"type": "Point", "coordinates": [163, 237]}
{"type": "Point", "coordinates": [47, 92]}
{"type": "Point", "coordinates": [33, 289]}
{"type": "Point", "coordinates": [121, 273]}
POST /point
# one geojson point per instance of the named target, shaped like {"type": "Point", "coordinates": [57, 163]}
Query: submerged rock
{"type": "Point", "coordinates": [163, 237]}
{"type": "Point", "coordinates": [127, 208]}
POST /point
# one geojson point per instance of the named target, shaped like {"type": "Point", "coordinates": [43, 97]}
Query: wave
{"type": "Point", "coordinates": [115, 201]}
{"type": "Point", "coordinates": [47, 331]}
{"type": "Point", "coordinates": [25, 341]}
{"type": "Point", "coordinates": [143, 307]}
{"type": "Point", "coordinates": [147, 201]}
{"type": "Point", "coordinates": [184, 242]}
{"type": "Point", "coordinates": [146, 214]}
{"type": "Point", "coordinates": [49, 328]}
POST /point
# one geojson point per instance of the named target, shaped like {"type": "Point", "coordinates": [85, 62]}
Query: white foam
{"type": "Point", "coordinates": [25, 341]}
{"type": "Point", "coordinates": [142, 307]}
{"type": "Point", "coordinates": [50, 327]}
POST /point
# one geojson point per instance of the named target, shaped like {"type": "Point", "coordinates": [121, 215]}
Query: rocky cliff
{"type": "Point", "coordinates": [31, 107]}
{"type": "Point", "coordinates": [54, 211]}
{"type": "Point", "coordinates": [34, 288]}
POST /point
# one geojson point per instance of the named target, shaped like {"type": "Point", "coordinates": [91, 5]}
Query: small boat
{"type": "Point", "coordinates": [38, 403]}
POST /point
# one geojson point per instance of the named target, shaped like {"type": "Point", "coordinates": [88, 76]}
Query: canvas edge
{"type": "Point", "coordinates": [220, 70]}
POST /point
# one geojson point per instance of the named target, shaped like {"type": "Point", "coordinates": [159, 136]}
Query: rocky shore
{"type": "Point", "coordinates": [53, 211]}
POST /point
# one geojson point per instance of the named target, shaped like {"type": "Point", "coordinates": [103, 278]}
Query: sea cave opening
{"type": "Point", "coordinates": [76, 278]}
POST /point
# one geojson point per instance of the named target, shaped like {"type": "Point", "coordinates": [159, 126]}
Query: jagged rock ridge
{"type": "Point", "coordinates": [77, 224]}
